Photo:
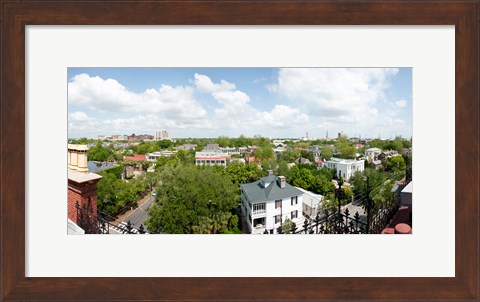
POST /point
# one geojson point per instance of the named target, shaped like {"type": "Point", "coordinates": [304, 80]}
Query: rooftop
{"type": "Point", "coordinates": [82, 177]}
{"type": "Point", "coordinates": [408, 188]}
{"type": "Point", "coordinates": [268, 188]}
{"type": "Point", "coordinates": [402, 216]}
{"type": "Point", "coordinates": [342, 160]}
{"type": "Point", "coordinates": [138, 157]}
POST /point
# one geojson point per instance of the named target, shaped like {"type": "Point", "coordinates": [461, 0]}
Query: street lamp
{"type": "Point", "coordinates": [339, 192]}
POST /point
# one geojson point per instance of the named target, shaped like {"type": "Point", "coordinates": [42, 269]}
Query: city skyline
{"type": "Point", "coordinates": [212, 102]}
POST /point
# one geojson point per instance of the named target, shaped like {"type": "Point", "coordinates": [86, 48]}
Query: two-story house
{"type": "Point", "coordinates": [372, 154]}
{"type": "Point", "coordinates": [268, 202]}
{"type": "Point", "coordinates": [345, 167]}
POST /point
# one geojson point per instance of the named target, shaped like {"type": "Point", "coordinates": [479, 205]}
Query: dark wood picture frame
{"type": "Point", "coordinates": [16, 15]}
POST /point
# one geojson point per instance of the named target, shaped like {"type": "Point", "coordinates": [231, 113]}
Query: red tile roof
{"type": "Point", "coordinates": [137, 157]}
{"type": "Point", "coordinates": [403, 216]}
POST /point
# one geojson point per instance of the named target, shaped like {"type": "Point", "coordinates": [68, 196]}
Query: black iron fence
{"type": "Point", "coordinates": [345, 223]}
{"type": "Point", "coordinates": [101, 223]}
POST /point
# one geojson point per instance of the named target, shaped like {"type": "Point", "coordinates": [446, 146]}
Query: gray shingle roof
{"type": "Point", "coordinates": [257, 192]}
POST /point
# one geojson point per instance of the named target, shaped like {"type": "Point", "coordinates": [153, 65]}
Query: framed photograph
{"type": "Point", "coordinates": [55, 55]}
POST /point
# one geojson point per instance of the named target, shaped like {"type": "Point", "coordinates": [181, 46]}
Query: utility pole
{"type": "Point", "coordinates": [368, 204]}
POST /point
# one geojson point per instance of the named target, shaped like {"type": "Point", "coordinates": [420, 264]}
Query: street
{"type": "Point", "coordinates": [139, 215]}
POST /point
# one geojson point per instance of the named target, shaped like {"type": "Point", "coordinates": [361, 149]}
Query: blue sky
{"type": "Point", "coordinates": [209, 102]}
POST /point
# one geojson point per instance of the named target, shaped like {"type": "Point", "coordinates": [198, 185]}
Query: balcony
{"type": "Point", "coordinates": [259, 212]}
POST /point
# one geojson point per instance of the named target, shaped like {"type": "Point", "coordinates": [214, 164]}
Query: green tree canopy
{"type": "Point", "coordinates": [327, 152]}
{"type": "Point", "coordinates": [345, 148]}
{"type": "Point", "coordinates": [99, 153]}
{"type": "Point", "coordinates": [224, 141]}
{"type": "Point", "coordinates": [264, 153]}
{"type": "Point", "coordinates": [290, 155]}
{"type": "Point", "coordinates": [243, 173]}
{"type": "Point", "coordinates": [307, 155]}
{"type": "Point", "coordinates": [164, 144]}
{"type": "Point", "coordinates": [396, 164]}
{"type": "Point", "coordinates": [308, 177]}
{"type": "Point", "coordinates": [193, 200]}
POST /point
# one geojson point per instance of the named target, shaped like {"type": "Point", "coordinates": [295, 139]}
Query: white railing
{"type": "Point", "coordinates": [257, 212]}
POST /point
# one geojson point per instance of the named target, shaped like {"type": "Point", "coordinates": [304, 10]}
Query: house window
{"type": "Point", "coordinates": [294, 200]}
{"type": "Point", "coordinates": [278, 204]}
{"type": "Point", "coordinates": [294, 214]}
{"type": "Point", "coordinates": [258, 208]}
{"type": "Point", "coordinates": [278, 218]}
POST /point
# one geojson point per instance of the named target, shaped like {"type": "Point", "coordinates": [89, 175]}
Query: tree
{"type": "Point", "coordinates": [290, 155]}
{"type": "Point", "coordinates": [193, 200]}
{"type": "Point", "coordinates": [243, 173]}
{"type": "Point", "coordinates": [151, 179]}
{"type": "Point", "coordinates": [396, 164]}
{"type": "Point", "coordinates": [164, 144]}
{"type": "Point", "coordinates": [269, 164]}
{"type": "Point", "coordinates": [346, 194]}
{"type": "Point", "coordinates": [160, 163]}
{"type": "Point", "coordinates": [264, 153]}
{"type": "Point", "coordinates": [80, 141]}
{"type": "Point", "coordinates": [282, 168]}
{"type": "Point", "coordinates": [327, 152]}
{"type": "Point", "coordinates": [321, 185]}
{"type": "Point", "coordinates": [142, 148]}
{"type": "Point", "coordinates": [287, 226]}
{"type": "Point", "coordinates": [384, 197]}
{"type": "Point", "coordinates": [345, 148]}
{"type": "Point", "coordinates": [223, 141]}
{"type": "Point", "coordinates": [98, 153]}
{"type": "Point", "coordinates": [307, 155]}
{"type": "Point", "coordinates": [241, 141]}
{"type": "Point", "coordinates": [359, 181]}
{"type": "Point", "coordinates": [106, 199]}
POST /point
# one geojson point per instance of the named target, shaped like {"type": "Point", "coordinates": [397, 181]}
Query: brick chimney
{"type": "Point", "coordinates": [282, 181]}
{"type": "Point", "coordinates": [77, 158]}
{"type": "Point", "coordinates": [82, 185]}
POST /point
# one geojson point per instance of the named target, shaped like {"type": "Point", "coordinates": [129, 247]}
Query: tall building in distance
{"type": "Point", "coordinates": [160, 135]}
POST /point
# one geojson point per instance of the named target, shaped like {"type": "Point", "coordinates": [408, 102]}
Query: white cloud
{"type": "Point", "coordinates": [352, 100]}
{"type": "Point", "coordinates": [78, 116]}
{"type": "Point", "coordinates": [401, 104]}
{"type": "Point", "coordinates": [111, 96]}
{"type": "Point", "coordinates": [79, 123]}
{"type": "Point", "coordinates": [204, 84]}
{"type": "Point", "coordinates": [281, 116]}
{"type": "Point", "coordinates": [310, 99]}
{"type": "Point", "coordinates": [237, 113]}
{"type": "Point", "coordinates": [333, 92]}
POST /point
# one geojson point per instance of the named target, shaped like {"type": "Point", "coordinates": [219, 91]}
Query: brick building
{"type": "Point", "coordinates": [82, 186]}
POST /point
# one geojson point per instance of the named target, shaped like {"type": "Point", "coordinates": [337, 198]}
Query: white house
{"type": "Point", "coordinates": [153, 156]}
{"type": "Point", "coordinates": [345, 167]}
{"type": "Point", "coordinates": [311, 203]}
{"type": "Point", "coordinates": [211, 158]}
{"type": "Point", "coordinates": [268, 202]}
{"type": "Point", "coordinates": [372, 154]}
